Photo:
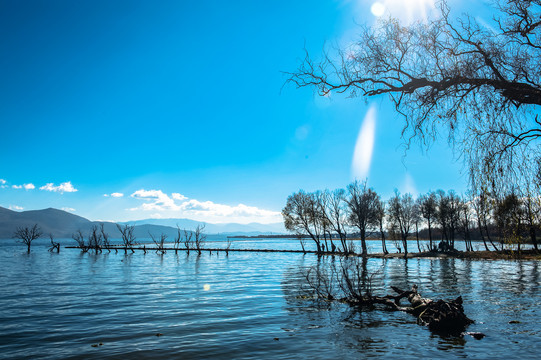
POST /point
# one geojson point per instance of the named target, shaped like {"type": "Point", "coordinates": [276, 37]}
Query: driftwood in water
{"type": "Point", "coordinates": [349, 281]}
{"type": "Point", "coordinates": [440, 316]}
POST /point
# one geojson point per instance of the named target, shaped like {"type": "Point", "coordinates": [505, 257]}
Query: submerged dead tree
{"type": "Point", "coordinates": [159, 242]}
{"type": "Point", "coordinates": [26, 235]}
{"type": "Point", "coordinates": [349, 281]}
{"type": "Point", "coordinates": [128, 238]}
{"type": "Point", "coordinates": [54, 245]}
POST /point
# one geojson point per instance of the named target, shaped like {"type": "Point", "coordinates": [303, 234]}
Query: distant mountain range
{"type": "Point", "coordinates": [224, 229]}
{"type": "Point", "coordinates": [62, 224]}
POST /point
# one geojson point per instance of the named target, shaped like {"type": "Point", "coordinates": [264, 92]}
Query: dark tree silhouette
{"type": "Point", "coordinates": [337, 214]}
{"type": "Point", "coordinates": [363, 210]}
{"type": "Point", "coordinates": [380, 217]}
{"type": "Point", "coordinates": [54, 245]}
{"type": "Point", "coordinates": [479, 85]}
{"type": "Point", "coordinates": [160, 243]}
{"type": "Point", "coordinates": [199, 238]}
{"type": "Point", "coordinates": [402, 216]}
{"type": "Point", "coordinates": [428, 208]}
{"type": "Point", "coordinates": [26, 235]}
{"type": "Point", "coordinates": [128, 238]}
{"type": "Point", "coordinates": [302, 216]}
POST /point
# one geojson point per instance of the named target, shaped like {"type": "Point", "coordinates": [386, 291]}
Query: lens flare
{"type": "Point", "coordinates": [362, 154]}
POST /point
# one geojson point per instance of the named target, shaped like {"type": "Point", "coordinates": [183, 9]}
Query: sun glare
{"type": "Point", "coordinates": [377, 9]}
{"type": "Point", "coordinates": [408, 10]}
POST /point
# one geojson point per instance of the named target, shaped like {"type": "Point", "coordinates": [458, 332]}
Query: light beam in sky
{"type": "Point", "coordinates": [362, 155]}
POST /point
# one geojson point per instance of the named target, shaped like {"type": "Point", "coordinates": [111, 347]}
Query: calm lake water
{"type": "Point", "coordinates": [246, 305]}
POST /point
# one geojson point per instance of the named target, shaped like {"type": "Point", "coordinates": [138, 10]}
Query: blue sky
{"type": "Point", "coordinates": [180, 108]}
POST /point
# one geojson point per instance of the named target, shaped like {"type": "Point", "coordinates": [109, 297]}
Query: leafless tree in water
{"type": "Point", "coordinates": [27, 234]}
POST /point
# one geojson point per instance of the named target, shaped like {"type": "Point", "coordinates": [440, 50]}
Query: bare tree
{"type": "Point", "coordinates": [479, 84]}
{"type": "Point", "coordinates": [336, 213]}
{"type": "Point", "coordinates": [448, 216]}
{"type": "Point", "coordinates": [532, 214]}
{"type": "Point", "coordinates": [380, 217]}
{"type": "Point", "coordinates": [187, 240]}
{"type": "Point", "coordinates": [321, 217]}
{"type": "Point", "coordinates": [177, 240]}
{"type": "Point", "coordinates": [402, 216]}
{"type": "Point", "coordinates": [302, 216]}
{"type": "Point", "coordinates": [302, 241]}
{"type": "Point", "coordinates": [54, 245]}
{"type": "Point", "coordinates": [199, 237]}
{"type": "Point", "coordinates": [105, 238]}
{"type": "Point", "coordinates": [363, 202]}
{"type": "Point", "coordinates": [509, 219]}
{"type": "Point", "coordinates": [428, 208]}
{"type": "Point", "coordinates": [26, 235]}
{"type": "Point", "coordinates": [128, 238]}
{"type": "Point", "coordinates": [160, 243]}
{"type": "Point", "coordinates": [80, 239]}
{"type": "Point", "coordinates": [228, 245]}
{"type": "Point", "coordinates": [417, 220]}
{"type": "Point", "coordinates": [482, 205]}
{"type": "Point", "coordinates": [465, 221]}
{"type": "Point", "coordinates": [95, 239]}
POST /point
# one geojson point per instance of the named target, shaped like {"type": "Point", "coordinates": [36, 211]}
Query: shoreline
{"type": "Point", "coordinates": [471, 255]}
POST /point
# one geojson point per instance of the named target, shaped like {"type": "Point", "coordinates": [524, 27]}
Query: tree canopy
{"type": "Point", "coordinates": [479, 84]}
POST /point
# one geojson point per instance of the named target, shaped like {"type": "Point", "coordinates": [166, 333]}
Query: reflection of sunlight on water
{"type": "Point", "coordinates": [206, 287]}
{"type": "Point", "coordinates": [362, 155]}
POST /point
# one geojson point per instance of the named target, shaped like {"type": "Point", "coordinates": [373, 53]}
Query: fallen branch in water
{"type": "Point", "coordinates": [350, 283]}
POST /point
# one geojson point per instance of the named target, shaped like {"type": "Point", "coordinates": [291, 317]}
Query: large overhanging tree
{"type": "Point", "coordinates": [478, 85]}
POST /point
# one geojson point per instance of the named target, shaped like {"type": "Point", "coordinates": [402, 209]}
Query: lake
{"type": "Point", "coordinates": [247, 306]}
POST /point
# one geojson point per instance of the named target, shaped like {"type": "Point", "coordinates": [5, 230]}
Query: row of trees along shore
{"type": "Point", "coordinates": [443, 217]}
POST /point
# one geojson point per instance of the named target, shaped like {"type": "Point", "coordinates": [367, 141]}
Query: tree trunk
{"type": "Point", "coordinates": [533, 237]}
{"type": "Point", "coordinates": [430, 235]}
{"type": "Point", "coordinates": [364, 251]}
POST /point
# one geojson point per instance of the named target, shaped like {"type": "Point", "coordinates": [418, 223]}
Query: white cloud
{"type": "Point", "coordinates": [68, 209]}
{"type": "Point", "coordinates": [210, 208]}
{"type": "Point", "coordinates": [2, 182]}
{"type": "Point", "coordinates": [62, 188]}
{"type": "Point", "coordinates": [15, 207]}
{"type": "Point", "coordinates": [178, 205]}
{"type": "Point", "coordinates": [25, 186]}
{"type": "Point", "coordinates": [178, 196]}
{"type": "Point", "coordinates": [159, 200]}
{"type": "Point", "coordinates": [115, 195]}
